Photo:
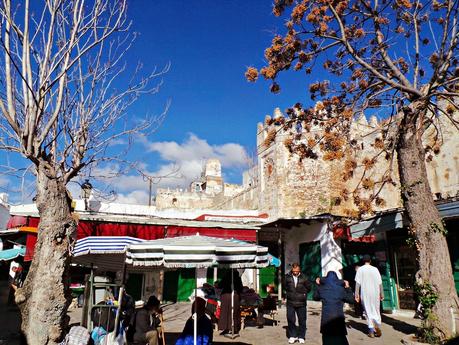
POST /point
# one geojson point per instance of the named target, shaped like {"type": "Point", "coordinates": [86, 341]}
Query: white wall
{"type": "Point", "coordinates": [331, 256]}
{"type": "Point", "coordinates": [151, 284]}
{"type": "Point", "coordinates": [4, 216]}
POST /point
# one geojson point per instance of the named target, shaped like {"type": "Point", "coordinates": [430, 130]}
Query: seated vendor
{"type": "Point", "coordinates": [147, 322]}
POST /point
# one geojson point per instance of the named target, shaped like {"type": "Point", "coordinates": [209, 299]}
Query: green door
{"type": "Point", "coordinates": [311, 261]}
{"type": "Point", "coordinates": [453, 244]}
{"type": "Point", "coordinates": [179, 284]}
{"type": "Point", "coordinates": [390, 302]}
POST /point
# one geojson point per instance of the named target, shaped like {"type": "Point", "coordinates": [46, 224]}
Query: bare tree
{"type": "Point", "coordinates": [392, 58]}
{"type": "Point", "coordinates": [61, 105]}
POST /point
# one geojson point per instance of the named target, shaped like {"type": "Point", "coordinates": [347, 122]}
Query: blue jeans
{"type": "Point", "coordinates": [300, 312]}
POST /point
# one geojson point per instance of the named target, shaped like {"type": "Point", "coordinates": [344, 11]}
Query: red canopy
{"type": "Point", "coordinates": [144, 231]}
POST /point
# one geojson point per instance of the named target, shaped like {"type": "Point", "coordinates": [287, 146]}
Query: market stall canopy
{"type": "Point", "coordinates": [273, 261]}
{"type": "Point", "coordinates": [103, 252]}
{"type": "Point", "coordinates": [13, 253]}
{"type": "Point", "coordinates": [197, 251]}
{"type": "Point", "coordinates": [194, 252]}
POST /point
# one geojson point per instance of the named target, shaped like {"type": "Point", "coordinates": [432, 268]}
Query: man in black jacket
{"type": "Point", "coordinates": [297, 287]}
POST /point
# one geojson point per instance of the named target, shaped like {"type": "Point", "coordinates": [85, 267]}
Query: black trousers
{"type": "Point", "coordinates": [292, 314]}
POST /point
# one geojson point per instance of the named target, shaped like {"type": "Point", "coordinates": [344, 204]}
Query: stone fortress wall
{"type": "Point", "coordinates": [283, 186]}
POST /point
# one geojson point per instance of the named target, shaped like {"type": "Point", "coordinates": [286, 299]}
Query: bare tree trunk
{"type": "Point", "coordinates": [425, 224]}
{"type": "Point", "coordinates": [45, 296]}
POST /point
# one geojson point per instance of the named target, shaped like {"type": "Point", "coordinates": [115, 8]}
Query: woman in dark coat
{"type": "Point", "coordinates": [224, 323]}
{"type": "Point", "coordinates": [333, 294]}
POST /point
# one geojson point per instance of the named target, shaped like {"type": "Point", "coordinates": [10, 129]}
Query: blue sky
{"type": "Point", "coordinates": [209, 44]}
{"type": "Point", "coordinates": [214, 110]}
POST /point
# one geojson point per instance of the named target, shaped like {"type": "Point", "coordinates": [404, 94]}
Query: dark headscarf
{"type": "Point", "coordinates": [331, 279]}
{"type": "Point", "coordinates": [333, 295]}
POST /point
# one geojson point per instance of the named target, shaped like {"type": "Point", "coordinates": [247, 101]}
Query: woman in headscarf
{"type": "Point", "coordinates": [333, 294]}
{"type": "Point", "coordinates": [204, 334]}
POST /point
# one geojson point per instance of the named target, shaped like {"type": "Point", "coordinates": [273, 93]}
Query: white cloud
{"type": "Point", "coordinates": [196, 149]}
{"type": "Point", "coordinates": [119, 141]}
{"type": "Point", "coordinates": [3, 181]}
{"type": "Point", "coordinates": [135, 197]}
{"type": "Point", "coordinates": [186, 159]}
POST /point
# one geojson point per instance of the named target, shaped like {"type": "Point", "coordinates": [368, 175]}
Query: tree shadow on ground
{"type": "Point", "coordinates": [399, 325]}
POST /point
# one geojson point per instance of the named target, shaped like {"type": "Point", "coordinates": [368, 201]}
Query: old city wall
{"type": "Point", "coordinates": [245, 199]}
{"type": "Point", "coordinates": [443, 166]}
{"type": "Point", "coordinates": [290, 188]}
{"type": "Point", "coordinates": [185, 200]}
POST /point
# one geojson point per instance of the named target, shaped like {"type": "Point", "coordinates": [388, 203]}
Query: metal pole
{"type": "Point", "coordinates": [149, 193]}
{"type": "Point", "coordinates": [256, 273]}
{"type": "Point", "coordinates": [117, 318]}
{"type": "Point", "coordinates": [279, 270]}
{"type": "Point", "coordinates": [91, 298]}
{"type": "Point", "coordinates": [232, 303]}
{"type": "Point", "coordinates": [123, 278]}
{"type": "Point", "coordinates": [195, 315]}
{"type": "Point", "coordinates": [161, 285]}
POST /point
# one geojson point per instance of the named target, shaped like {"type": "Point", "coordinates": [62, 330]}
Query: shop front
{"type": "Point", "coordinates": [390, 230]}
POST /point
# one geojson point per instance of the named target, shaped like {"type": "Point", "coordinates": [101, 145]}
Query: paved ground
{"type": "Point", "coordinates": [394, 327]}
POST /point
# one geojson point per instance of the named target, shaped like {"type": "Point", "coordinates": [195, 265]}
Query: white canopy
{"type": "Point", "coordinates": [197, 251]}
{"type": "Point", "coordinates": [103, 252]}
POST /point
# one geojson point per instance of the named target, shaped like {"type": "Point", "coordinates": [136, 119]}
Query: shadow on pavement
{"type": "Point", "coordinates": [171, 337]}
{"type": "Point", "coordinates": [359, 326]}
{"type": "Point", "coordinates": [398, 325]}
{"type": "Point", "coordinates": [252, 322]}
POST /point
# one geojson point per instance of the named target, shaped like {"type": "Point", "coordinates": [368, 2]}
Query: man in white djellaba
{"type": "Point", "coordinates": [369, 291]}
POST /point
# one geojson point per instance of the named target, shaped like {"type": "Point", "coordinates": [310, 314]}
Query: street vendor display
{"type": "Point", "coordinates": [197, 252]}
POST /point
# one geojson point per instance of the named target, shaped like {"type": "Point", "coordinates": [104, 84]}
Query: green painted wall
{"type": "Point", "coordinates": [267, 275]}
{"type": "Point", "coordinates": [311, 262]}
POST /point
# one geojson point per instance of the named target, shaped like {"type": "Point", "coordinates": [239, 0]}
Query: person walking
{"type": "Point", "coordinates": [297, 287]}
{"type": "Point", "coordinates": [369, 291]}
{"type": "Point", "coordinates": [333, 293]}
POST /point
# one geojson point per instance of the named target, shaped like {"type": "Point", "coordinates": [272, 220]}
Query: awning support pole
{"type": "Point", "coordinates": [279, 269]}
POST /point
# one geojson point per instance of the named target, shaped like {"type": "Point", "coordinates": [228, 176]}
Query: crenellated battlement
{"type": "Point", "coordinates": [290, 186]}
